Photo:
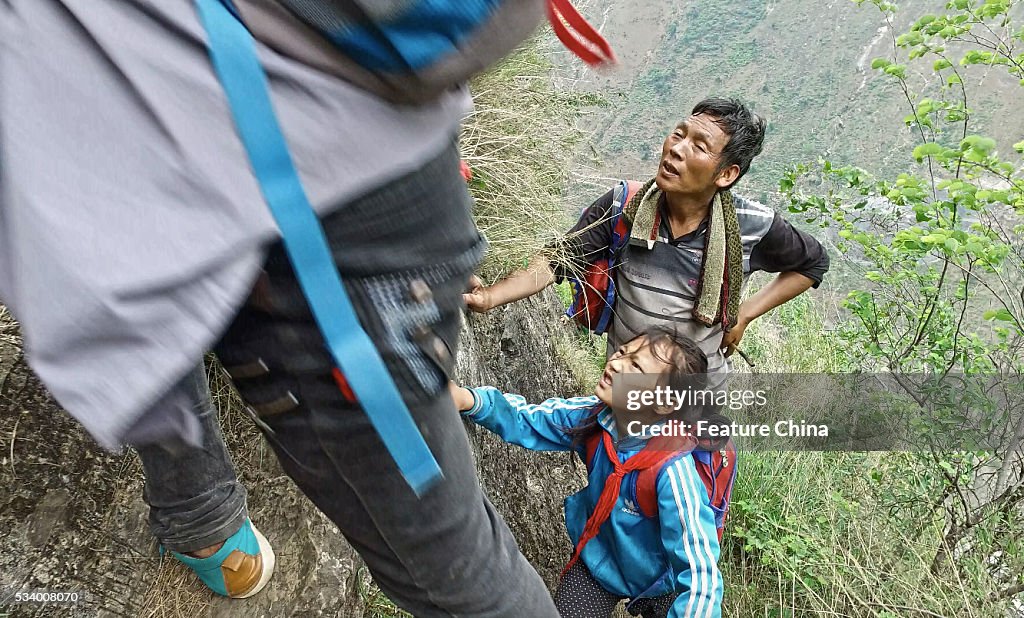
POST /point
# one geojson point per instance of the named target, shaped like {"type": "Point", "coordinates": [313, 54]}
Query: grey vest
{"type": "Point", "coordinates": [658, 286]}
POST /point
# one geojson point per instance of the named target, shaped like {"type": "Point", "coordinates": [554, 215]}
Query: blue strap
{"type": "Point", "coordinates": [614, 249]}
{"type": "Point", "coordinates": [233, 53]}
{"type": "Point", "coordinates": [618, 241]}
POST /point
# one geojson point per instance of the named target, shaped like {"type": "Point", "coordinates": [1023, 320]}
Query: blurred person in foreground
{"type": "Point", "coordinates": [134, 238]}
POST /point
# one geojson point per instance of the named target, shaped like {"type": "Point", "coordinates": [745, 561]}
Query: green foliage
{"type": "Point", "coordinates": [933, 242]}
{"type": "Point", "coordinates": [848, 534]}
{"type": "Point", "coordinates": [937, 256]}
{"type": "Point", "coordinates": [742, 54]}
{"type": "Point", "coordinates": [793, 338]}
{"type": "Point", "coordinates": [584, 352]}
{"type": "Point", "coordinates": [845, 534]}
{"type": "Point", "coordinates": [701, 19]}
{"type": "Point", "coordinates": [657, 82]}
{"type": "Point", "coordinates": [942, 260]}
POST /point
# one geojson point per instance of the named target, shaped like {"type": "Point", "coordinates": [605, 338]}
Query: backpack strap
{"type": "Point", "coordinates": [717, 469]}
{"type": "Point", "coordinates": [622, 224]}
{"type": "Point", "coordinates": [645, 482]}
{"type": "Point", "coordinates": [620, 236]}
{"type": "Point", "coordinates": [648, 457]}
{"type": "Point", "coordinates": [233, 54]}
{"type": "Point", "coordinates": [594, 290]}
{"type": "Point", "coordinates": [647, 479]}
{"type": "Point", "coordinates": [590, 447]}
{"type": "Point", "coordinates": [718, 472]}
{"type": "Point", "coordinates": [632, 187]}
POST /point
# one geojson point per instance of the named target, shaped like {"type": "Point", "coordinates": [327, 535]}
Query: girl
{"type": "Point", "coordinates": [665, 565]}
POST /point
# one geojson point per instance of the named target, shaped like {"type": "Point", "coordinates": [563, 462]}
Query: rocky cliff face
{"type": "Point", "coordinates": [72, 516]}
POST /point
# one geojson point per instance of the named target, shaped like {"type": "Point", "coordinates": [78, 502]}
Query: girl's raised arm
{"type": "Point", "coordinates": [538, 427]}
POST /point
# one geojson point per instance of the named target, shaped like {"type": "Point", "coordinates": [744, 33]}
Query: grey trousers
{"type": "Point", "coordinates": [194, 497]}
{"type": "Point", "coordinates": [405, 253]}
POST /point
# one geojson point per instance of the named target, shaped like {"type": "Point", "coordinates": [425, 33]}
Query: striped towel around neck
{"type": "Point", "coordinates": [721, 273]}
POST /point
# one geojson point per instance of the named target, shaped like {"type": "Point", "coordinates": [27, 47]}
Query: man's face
{"type": "Point", "coordinates": [690, 158]}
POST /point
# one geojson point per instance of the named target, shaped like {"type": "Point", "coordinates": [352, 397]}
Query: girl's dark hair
{"type": "Point", "coordinates": [689, 367]}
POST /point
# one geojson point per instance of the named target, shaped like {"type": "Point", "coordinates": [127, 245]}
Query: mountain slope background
{"type": "Point", "coordinates": [803, 64]}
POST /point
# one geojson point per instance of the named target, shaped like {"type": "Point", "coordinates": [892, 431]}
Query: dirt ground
{"type": "Point", "coordinates": [72, 518]}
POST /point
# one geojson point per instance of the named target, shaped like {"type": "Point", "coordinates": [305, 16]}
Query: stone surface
{"type": "Point", "coordinates": [72, 516]}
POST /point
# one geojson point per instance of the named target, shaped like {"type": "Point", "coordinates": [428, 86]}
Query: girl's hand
{"type": "Point", "coordinates": [463, 398]}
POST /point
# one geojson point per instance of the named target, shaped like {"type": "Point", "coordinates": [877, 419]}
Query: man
{"type": "Point", "coordinates": [134, 237]}
{"type": "Point", "coordinates": [670, 281]}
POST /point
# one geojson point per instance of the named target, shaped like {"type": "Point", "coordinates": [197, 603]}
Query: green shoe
{"type": "Point", "coordinates": [239, 569]}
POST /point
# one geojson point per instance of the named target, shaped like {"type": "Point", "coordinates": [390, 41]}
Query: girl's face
{"type": "Point", "coordinates": [635, 356]}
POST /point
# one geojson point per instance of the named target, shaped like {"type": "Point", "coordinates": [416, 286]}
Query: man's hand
{"type": "Point", "coordinates": [463, 398]}
{"type": "Point", "coordinates": [478, 298]}
{"type": "Point", "coordinates": [782, 289]}
{"type": "Point", "coordinates": [731, 340]}
{"type": "Point", "coordinates": [517, 286]}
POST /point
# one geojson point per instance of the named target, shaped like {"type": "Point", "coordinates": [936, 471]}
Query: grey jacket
{"type": "Point", "coordinates": [131, 227]}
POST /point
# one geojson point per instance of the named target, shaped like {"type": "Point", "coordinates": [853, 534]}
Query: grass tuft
{"type": "Point", "coordinates": [820, 534]}
{"type": "Point", "coordinates": [519, 143]}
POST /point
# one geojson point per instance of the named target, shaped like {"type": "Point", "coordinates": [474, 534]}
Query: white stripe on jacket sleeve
{"type": "Point", "coordinates": [693, 555]}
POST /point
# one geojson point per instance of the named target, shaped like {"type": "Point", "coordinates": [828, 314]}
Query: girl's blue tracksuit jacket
{"type": "Point", "coordinates": [632, 556]}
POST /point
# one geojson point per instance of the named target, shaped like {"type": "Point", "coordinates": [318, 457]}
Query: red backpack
{"type": "Point", "coordinates": [717, 468]}
{"type": "Point", "coordinates": [593, 295]}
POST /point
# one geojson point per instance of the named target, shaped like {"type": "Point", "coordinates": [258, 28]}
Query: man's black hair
{"type": "Point", "coordinates": [744, 128]}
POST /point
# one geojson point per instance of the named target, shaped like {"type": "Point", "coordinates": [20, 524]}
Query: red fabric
{"type": "Point", "coordinates": [657, 224]}
{"type": "Point", "coordinates": [653, 455]}
{"type": "Point", "coordinates": [723, 463]}
{"type": "Point", "coordinates": [583, 40]}
{"type": "Point", "coordinates": [647, 491]}
{"type": "Point", "coordinates": [589, 294]}
{"type": "Point", "coordinates": [718, 479]}
{"type": "Point", "coordinates": [647, 479]}
{"type": "Point", "coordinates": [591, 290]}
{"type": "Point", "coordinates": [346, 390]}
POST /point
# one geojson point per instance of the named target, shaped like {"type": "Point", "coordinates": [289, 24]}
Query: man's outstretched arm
{"type": "Point", "coordinates": [520, 284]}
{"type": "Point", "coordinates": [586, 241]}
